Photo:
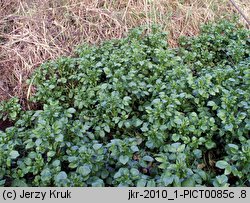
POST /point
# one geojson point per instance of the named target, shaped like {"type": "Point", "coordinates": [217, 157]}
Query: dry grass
{"type": "Point", "coordinates": [33, 31]}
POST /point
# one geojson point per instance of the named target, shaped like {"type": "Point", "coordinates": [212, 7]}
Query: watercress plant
{"type": "Point", "coordinates": [134, 112]}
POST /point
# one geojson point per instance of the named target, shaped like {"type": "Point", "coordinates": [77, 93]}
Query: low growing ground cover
{"type": "Point", "coordinates": [134, 112]}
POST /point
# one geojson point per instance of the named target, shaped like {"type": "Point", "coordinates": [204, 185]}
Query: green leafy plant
{"type": "Point", "coordinates": [10, 109]}
{"type": "Point", "coordinates": [133, 112]}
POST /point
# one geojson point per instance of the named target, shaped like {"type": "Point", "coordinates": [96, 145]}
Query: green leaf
{"type": "Point", "coordinates": [14, 154]}
{"type": "Point", "coordinates": [118, 174]}
{"type": "Point", "coordinates": [120, 124]}
{"type": "Point", "coordinates": [134, 171]}
{"type": "Point", "coordinates": [104, 174]}
{"type": "Point", "coordinates": [141, 183]}
{"type": "Point", "coordinates": [13, 115]}
{"type": "Point", "coordinates": [181, 148]}
{"type": "Point", "coordinates": [233, 148]}
{"type": "Point", "coordinates": [84, 170]}
{"type": "Point", "coordinates": [222, 115]}
{"type": "Point", "coordinates": [127, 124]}
{"type": "Point", "coordinates": [61, 176]}
{"type": "Point", "coordinates": [144, 128]}
{"type": "Point", "coordinates": [210, 144]}
{"type": "Point", "coordinates": [45, 175]}
{"type": "Point", "coordinates": [211, 103]}
{"type": "Point", "coordinates": [151, 183]}
{"type": "Point", "coordinates": [73, 165]}
{"type": "Point", "coordinates": [138, 122]}
{"type": "Point", "coordinates": [228, 170]}
{"type": "Point", "coordinates": [97, 146]}
{"type": "Point", "coordinates": [102, 133]}
{"type": "Point", "coordinates": [134, 148]}
{"type": "Point", "coordinates": [163, 127]}
{"type": "Point", "coordinates": [51, 153]}
{"type": "Point", "coordinates": [203, 128]}
{"type": "Point", "coordinates": [71, 110]}
{"type": "Point", "coordinates": [229, 127]}
{"type": "Point", "coordinates": [160, 159]}
{"type": "Point", "coordinates": [222, 179]}
{"type": "Point", "coordinates": [98, 183]}
{"type": "Point", "coordinates": [221, 164]}
{"type": "Point", "coordinates": [123, 159]}
{"type": "Point", "coordinates": [178, 121]}
{"type": "Point", "coordinates": [30, 145]}
{"type": "Point", "coordinates": [2, 183]}
{"type": "Point", "coordinates": [148, 158]}
{"type": "Point", "coordinates": [174, 147]}
{"type": "Point", "coordinates": [198, 153]}
{"type": "Point", "coordinates": [189, 182]}
{"type": "Point", "coordinates": [59, 138]}
{"type": "Point", "coordinates": [107, 129]}
{"type": "Point", "coordinates": [126, 100]}
{"type": "Point", "coordinates": [202, 174]}
{"type": "Point", "coordinates": [56, 163]}
{"type": "Point", "coordinates": [167, 180]}
{"type": "Point", "coordinates": [175, 137]}
{"type": "Point", "coordinates": [99, 64]}
{"type": "Point", "coordinates": [19, 183]}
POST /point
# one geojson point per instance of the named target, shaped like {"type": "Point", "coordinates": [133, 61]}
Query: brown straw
{"type": "Point", "coordinates": [239, 10]}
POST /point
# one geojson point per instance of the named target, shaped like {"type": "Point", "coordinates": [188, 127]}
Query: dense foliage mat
{"type": "Point", "coordinates": [133, 112]}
